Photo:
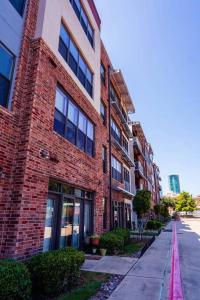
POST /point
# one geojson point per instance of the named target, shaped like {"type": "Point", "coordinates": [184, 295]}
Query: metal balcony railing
{"type": "Point", "coordinates": [139, 166]}
{"type": "Point", "coordinates": [137, 144]}
{"type": "Point", "coordinates": [121, 114]}
{"type": "Point", "coordinates": [124, 152]}
{"type": "Point", "coordinates": [140, 169]}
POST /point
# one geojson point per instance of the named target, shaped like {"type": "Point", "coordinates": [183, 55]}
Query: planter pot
{"type": "Point", "coordinates": [94, 250]}
{"type": "Point", "coordinates": [103, 252]}
{"type": "Point", "coordinates": [94, 241]}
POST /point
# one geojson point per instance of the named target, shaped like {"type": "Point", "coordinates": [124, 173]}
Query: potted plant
{"type": "Point", "coordinates": [103, 251]}
{"type": "Point", "coordinates": [94, 240]}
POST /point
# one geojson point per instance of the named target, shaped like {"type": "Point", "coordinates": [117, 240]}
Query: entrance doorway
{"type": "Point", "coordinates": [68, 220]}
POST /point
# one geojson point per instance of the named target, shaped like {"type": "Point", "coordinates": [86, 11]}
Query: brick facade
{"type": "Point", "coordinates": [27, 130]}
{"type": "Point", "coordinates": [116, 195]}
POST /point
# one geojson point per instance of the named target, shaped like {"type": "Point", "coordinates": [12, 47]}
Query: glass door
{"type": "Point", "coordinates": [48, 231]}
{"type": "Point", "coordinates": [68, 221]}
{"type": "Point", "coordinates": [67, 217]}
{"type": "Point", "coordinates": [76, 224]}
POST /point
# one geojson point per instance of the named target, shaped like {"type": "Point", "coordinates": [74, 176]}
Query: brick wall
{"type": "Point", "coordinates": [13, 142]}
{"type": "Point", "coordinates": [27, 130]}
{"type": "Point", "coordinates": [117, 196]}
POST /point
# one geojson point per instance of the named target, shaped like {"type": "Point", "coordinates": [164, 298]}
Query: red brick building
{"type": "Point", "coordinates": [146, 172]}
{"type": "Point", "coordinates": [66, 165]}
{"type": "Point", "coordinates": [116, 104]}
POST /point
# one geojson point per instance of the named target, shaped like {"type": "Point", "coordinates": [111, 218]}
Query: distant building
{"type": "Point", "coordinates": [197, 199]}
{"type": "Point", "coordinates": [174, 184]}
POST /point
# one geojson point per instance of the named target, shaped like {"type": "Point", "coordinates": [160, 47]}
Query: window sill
{"type": "Point", "coordinates": [68, 142]}
{"type": "Point", "coordinates": [6, 110]}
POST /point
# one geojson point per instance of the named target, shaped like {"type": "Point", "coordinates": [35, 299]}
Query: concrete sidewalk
{"type": "Point", "coordinates": [110, 264]}
{"type": "Point", "coordinates": [149, 277]}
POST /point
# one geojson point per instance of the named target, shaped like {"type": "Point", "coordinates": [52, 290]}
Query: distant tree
{"type": "Point", "coordinates": [169, 202]}
{"type": "Point", "coordinates": [161, 210]}
{"type": "Point", "coordinates": [142, 202]}
{"type": "Point", "coordinates": [164, 212]}
{"type": "Point", "coordinates": [185, 202]}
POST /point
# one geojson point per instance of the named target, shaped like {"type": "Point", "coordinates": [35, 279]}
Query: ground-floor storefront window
{"type": "Point", "coordinates": [68, 216]}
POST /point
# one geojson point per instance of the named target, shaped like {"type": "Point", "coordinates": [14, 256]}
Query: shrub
{"type": "Point", "coordinates": [124, 233]}
{"type": "Point", "coordinates": [153, 225]}
{"type": "Point", "coordinates": [112, 242]}
{"type": "Point", "coordinates": [15, 281]}
{"type": "Point", "coordinates": [54, 271]}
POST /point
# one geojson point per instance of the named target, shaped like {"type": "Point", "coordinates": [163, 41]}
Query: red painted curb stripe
{"type": "Point", "coordinates": [175, 292]}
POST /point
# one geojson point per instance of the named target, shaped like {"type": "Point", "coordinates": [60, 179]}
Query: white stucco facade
{"type": "Point", "coordinates": [51, 13]}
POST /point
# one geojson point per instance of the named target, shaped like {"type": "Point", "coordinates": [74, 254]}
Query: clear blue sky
{"type": "Point", "coordinates": [156, 44]}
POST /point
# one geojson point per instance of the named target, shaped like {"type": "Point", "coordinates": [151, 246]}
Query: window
{"type": "Point", "coordinates": [104, 212]}
{"type": "Point", "coordinates": [116, 169]}
{"type": "Point", "coordinates": [118, 214]}
{"type": "Point", "coordinates": [125, 143]}
{"type": "Point", "coordinates": [6, 73]}
{"type": "Point", "coordinates": [18, 5]}
{"type": "Point", "coordinates": [115, 131]}
{"type": "Point", "coordinates": [127, 179]}
{"type": "Point", "coordinates": [103, 74]}
{"type": "Point", "coordinates": [73, 124]}
{"type": "Point", "coordinates": [72, 56]}
{"type": "Point", "coordinates": [68, 217]}
{"type": "Point", "coordinates": [128, 215]}
{"type": "Point", "coordinates": [124, 113]}
{"type": "Point", "coordinates": [103, 112]}
{"type": "Point", "coordinates": [114, 96]}
{"type": "Point", "coordinates": [104, 158]}
{"type": "Point", "coordinates": [85, 23]}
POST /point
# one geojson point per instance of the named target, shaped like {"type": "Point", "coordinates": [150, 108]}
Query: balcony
{"type": "Point", "coordinates": [138, 146]}
{"type": "Point", "coordinates": [122, 190]}
{"type": "Point", "coordinates": [121, 114]}
{"type": "Point", "coordinates": [124, 152]}
{"type": "Point", "coordinates": [140, 169]}
{"type": "Point", "coordinates": [150, 179]}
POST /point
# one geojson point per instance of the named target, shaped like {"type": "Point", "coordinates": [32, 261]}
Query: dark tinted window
{"type": "Point", "coordinates": [115, 131]}
{"type": "Point", "coordinates": [116, 169]}
{"type": "Point", "coordinates": [73, 57]}
{"type": "Point", "coordinates": [103, 112]}
{"type": "Point", "coordinates": [72, 124]}
{"type": "Point", "coordinates": [6, 72]}
{"type": "Point", "coordinates": [83, 18]}
{"type": "Point", "coordinates": [18, 5]}
{"type": "Point", "coordinates": [103, 73]}
{"type": "Point", "coordinates": [104, 158]}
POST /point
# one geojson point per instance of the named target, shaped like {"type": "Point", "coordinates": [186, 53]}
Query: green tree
{"type": "Point", "coordinates": [157, 209]}
{"type": "Point", "coordinates": [161, 210]}
{"type": "Point", "coordinates": [142, 202]}
{"type": "Point", "coordinates": [164, 211]}
{"type": "Point", "coordinates": [168, 202]}
{"type": "Point", "coordinates": [185, 203]}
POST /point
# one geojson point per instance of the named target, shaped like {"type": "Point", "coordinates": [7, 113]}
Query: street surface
{"type": "Point", "coordinates": [189, 250]}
